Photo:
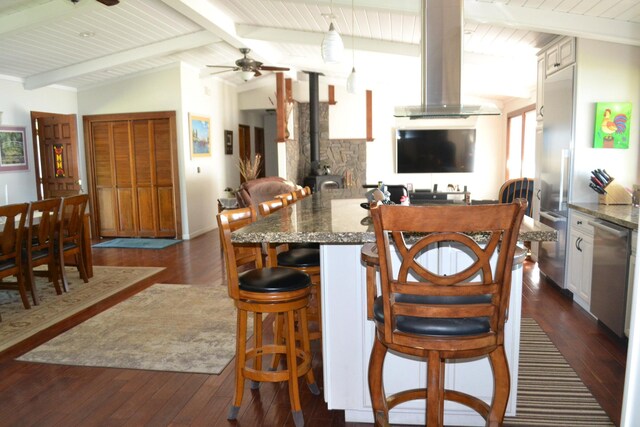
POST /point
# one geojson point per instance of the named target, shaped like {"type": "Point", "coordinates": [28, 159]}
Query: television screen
{"type": "Point", "coordinates": [435, 150]}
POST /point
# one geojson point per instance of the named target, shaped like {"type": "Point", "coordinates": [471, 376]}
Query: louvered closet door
{"type": "Point", "coordinates": [153, 178]}
{"type": "Point", "coordinates": [114, 180]}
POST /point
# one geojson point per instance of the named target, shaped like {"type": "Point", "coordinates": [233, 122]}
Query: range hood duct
{"type": "Point", "coordinates": [441, 65]}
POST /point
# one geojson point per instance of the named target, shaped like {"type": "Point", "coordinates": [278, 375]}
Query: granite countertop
{"type": "Point", "coordinates": [623, 215]}
{"type": "Point", "coordinates": [335, 217]}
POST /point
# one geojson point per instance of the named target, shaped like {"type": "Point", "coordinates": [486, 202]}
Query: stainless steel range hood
{"type": "Point", "coordinates": [441, 60]}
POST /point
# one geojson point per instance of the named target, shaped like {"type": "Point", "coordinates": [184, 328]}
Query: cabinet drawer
{"type": "Point", "coordinates": [580, 221]}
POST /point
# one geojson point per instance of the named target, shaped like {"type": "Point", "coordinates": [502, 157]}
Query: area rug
{"type": "Point", "coordinates": [135, 243]}
{"type": "Point", "coordinates": [181, 328]}
{"type": "Point", "coordinates": [550, 393]}
{"type": "Point", "coordinates": [18, 324]}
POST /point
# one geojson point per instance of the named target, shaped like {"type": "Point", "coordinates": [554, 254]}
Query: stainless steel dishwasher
{"type": "Point", "coordinates": [609, 274]}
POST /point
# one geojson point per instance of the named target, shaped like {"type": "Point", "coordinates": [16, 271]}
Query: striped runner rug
{"type": "Point", "coordinates": [550, 393]}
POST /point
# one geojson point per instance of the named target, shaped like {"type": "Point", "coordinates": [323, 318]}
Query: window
{"type": "Point", "coordinates": [521, 148]}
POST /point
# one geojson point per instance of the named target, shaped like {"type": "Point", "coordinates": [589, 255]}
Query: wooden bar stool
{"type": "Point", "coordinates": [281, 291]}
{"type": "Point", "coordinates": [436, 316]}
{"type": "Point", "coordinates": [303, 258]}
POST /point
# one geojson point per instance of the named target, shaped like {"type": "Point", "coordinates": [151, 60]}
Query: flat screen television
{"type": "Point", "coordinates": [435, 150]}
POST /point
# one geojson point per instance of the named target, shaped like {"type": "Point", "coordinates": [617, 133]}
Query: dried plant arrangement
{"type": "Point", "coordinates": [249, 169]}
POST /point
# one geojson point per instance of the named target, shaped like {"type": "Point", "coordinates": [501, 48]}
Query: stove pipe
{"type": "Point", "coordinates": [314, 121]}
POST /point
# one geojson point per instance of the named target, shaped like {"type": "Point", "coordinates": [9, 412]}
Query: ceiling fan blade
{"type": "Point", "coordinates": [109, 2]}
{"type": "Point", "coordinates": [257, 73]}
{"type": "Point", "coordinates": [219, 72]}
{"type": "Point", "coordinates": [233, 67]}
{"type": "Point", "coordinates": [270, 68]}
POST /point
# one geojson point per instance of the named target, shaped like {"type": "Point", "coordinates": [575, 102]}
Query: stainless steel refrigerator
{"type": "Point", "coordinates": [555, 170]}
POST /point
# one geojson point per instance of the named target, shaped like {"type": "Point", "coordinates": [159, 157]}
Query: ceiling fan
{"type": "Point", "coordinates": [248, 67]}
{"type": "Point", "coordinates": [104, 2]}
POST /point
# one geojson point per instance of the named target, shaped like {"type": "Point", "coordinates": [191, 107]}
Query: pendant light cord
{"type": "Point", "coordinates": [353, 37]}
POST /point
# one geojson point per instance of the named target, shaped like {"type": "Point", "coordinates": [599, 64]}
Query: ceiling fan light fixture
{"type": "Point", "coordinates": [352, 81]}
{"type": "Point", "coordinates": [332, 46]}
{"type": "Point", "coordinates": [247, 75]}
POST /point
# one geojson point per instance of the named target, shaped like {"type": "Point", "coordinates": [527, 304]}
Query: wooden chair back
{"type": "Point", "coordinates": [518, 188]}
{"type": "Point", "coordinates": [42, 226]}
{"type": "Point", "coordinates": [12, 218]}
{"type": "Point", "coordinates": [236, 256]}
{"type": "Point", "coordinates": [12, 222]}
{"type": "Point", "coordinates": [301, 193]}
{"type": "Point", "coordinates": [270, 206]}
{"type": "Point", "coordinates": [289, 198]}
{"type": "Point", "coordinates": [71, 219]}
{"type": "Point", "coordinates": [414, 230]}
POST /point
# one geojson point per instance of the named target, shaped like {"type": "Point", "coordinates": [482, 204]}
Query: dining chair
{"type": "Point", "coordinates": [69, 238]}
{"type": "Point", "coordinates": [40, 248]}
{"type": "Point", "coordinates": [518, 188]}
{"type": "Point", "coordinates": [437, 316]}
{"type": "Point", "coordinates": [266, 290]}
{"type": "Point", "coordinates": [12, 219]}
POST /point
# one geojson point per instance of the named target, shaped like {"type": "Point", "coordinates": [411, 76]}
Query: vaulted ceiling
{"type": "Point", "coordinates": [81, 44]}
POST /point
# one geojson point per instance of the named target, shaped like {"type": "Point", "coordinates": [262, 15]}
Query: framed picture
{"type": "Point", "coordinates": [228, 142]}
{"type": "Point", "coordinates": [612, 125]}
{"type": "Point", "coordinates": [13, 152]}
{"type": "Point", "coordinates": [200, 134]}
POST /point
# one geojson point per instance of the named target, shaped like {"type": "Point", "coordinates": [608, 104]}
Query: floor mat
{"type": "Point", "coordinates": [135, 243]}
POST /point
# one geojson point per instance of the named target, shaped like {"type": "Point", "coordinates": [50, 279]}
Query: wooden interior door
{"type": "Point", "coordinates": [259, 149]}
{"type": "Point", "coordinates": [55, 150]}
{"type": "Point", "coordinates": [133, 169]}
{"type": "Point", "coordinates": [244, 144]}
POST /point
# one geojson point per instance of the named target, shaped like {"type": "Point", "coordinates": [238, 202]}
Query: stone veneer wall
{"type": "Point", "coordinates": [341, 155]}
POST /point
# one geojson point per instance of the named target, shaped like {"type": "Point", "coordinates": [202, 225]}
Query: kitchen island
{"type": "Point", "coordinates": [336, 221]}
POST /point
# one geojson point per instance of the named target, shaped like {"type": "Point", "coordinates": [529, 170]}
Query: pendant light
{"type": "Point", "coordinates": [352, 86]}
{"type": "Point", "coordinates": [332, 46]}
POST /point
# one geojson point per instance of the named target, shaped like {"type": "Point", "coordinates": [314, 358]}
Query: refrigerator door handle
{"type": "Point", "coordinates": [552, 218]}
{"type": "Point", "coordinates": [613, 231]}
{"type": "Point", "coordinates": [565, 154]}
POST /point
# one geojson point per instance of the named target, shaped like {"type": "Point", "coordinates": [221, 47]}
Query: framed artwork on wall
{"type": "Point", "coordinates": [200, 135]}
{"type": "Point", "coordinates": [228, 142]}
{"type": "Point", "coordinates": [13, 151]}
{"type": "Point", "coordinates": [612, 125]}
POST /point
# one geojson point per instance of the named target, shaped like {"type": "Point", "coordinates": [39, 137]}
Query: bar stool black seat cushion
{"type": "Point", "coordinates": [273, 280]}
{"type": "Point", "coordinates": [300, 257]}
{"type": "Point", "coordinates": [435, 326]}
{"type": "Point", "coordinates": [304, 245]}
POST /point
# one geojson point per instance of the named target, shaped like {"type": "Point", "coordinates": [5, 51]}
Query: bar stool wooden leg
{"type": "Point", "coordinates": [435, 390]}
{"type": "Point", "coordinates": [376, 384]}
{"type": "Point", "coordinates": [292, 367]}
{"type": "Point", "coordinates": [257, 339]}
{"type": "Point", "coordinates": [501, 386]}
{"type": "Point", "coordinates": [241, 348]}
{"type": "Point", "coordinates": [278, 339]}
{"type": "Point", "coordinates": [306, 347]}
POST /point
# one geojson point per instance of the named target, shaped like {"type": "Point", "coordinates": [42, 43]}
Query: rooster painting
{"type": "Point", "coordinates": [612, 131]}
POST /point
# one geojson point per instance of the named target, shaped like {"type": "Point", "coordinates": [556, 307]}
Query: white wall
{"type": "Point", "coordinates": [179, 88]}
{"type": "Point", "coordinates": [16, 105]}
{"type": "Point", "coordinates": [606, 72]}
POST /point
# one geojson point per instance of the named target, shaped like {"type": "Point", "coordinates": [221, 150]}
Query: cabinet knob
{"type": "Point", "coordinates": [557, 64]}
{"type": "Point", "coordinates": [579, 222]}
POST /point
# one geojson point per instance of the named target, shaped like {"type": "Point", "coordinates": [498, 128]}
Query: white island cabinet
{"type": "Point", "coordinates": [335, 220]}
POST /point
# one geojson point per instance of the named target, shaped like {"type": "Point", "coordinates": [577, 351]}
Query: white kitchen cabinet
{"type": "Point", "coordinates": [560, 55]}
{"type": "Point", "coordinates": [580, 258]}
{"type": "Point", "coordinates": [540, 88]}
{"type": "Point", "coordinates": [631, 275]}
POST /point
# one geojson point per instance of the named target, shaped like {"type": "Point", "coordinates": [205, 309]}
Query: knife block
{"type": "Point", "coordinates": [616, 195]}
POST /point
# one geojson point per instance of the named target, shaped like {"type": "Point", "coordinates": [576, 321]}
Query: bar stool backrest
{"type": "Point", "coordinates": [236, 256]}
{"type": "Point", "coordinates": [414, 230]}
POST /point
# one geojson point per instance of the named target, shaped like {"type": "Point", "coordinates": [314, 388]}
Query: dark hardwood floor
{"type": "Point", "coordinates": [34, 394]}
